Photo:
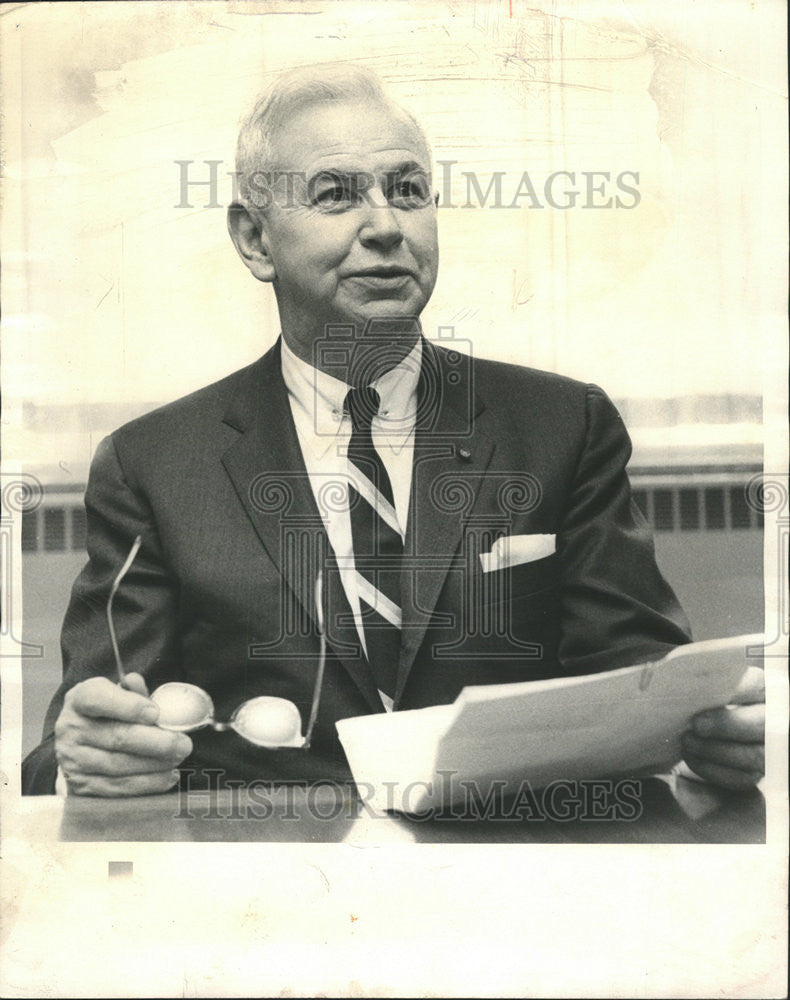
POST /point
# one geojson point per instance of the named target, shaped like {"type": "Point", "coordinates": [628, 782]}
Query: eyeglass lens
{"type": "Point", "coordinates": [264, 721]}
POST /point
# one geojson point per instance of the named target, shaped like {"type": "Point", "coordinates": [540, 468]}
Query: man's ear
{"type": "Point", "coordinates": [250, 241]}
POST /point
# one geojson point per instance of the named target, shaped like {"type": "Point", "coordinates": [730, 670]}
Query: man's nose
{"type": "Point", "coordinates": [380, 226]}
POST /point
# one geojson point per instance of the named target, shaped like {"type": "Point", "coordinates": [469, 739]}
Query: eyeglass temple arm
{"type": "Point", "coordinates": [116, 582]}
{"type": "Point", "coordinates": [319, 680]}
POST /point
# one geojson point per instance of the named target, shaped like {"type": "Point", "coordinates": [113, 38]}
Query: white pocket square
{"type": "Point", "coordinates": [512, 550]}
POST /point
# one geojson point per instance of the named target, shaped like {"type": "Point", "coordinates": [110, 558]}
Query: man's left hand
{"type": "Point", "coordinates": [726, 746]}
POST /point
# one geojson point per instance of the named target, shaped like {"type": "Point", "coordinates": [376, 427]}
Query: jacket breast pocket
{"type": "Point", "coordinates": [504, 625]}
{"type": "Point", "coordinates": [519, 581]}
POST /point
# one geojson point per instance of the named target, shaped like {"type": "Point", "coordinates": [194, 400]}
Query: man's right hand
{"type": "Point", "coordinates": [107, 741]}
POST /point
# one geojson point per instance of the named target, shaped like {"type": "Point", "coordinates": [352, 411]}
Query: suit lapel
{"type": "Point", "coordinates": [450, 455]}
{"type": "Point", "coordinates": [268, 473]}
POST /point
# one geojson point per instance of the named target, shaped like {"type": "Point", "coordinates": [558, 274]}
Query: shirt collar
{"type": "Point", "coordinates": [319, 397]}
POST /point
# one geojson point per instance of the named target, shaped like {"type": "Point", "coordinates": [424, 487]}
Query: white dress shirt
{"type": "Point", "coordinates": [324, 432]}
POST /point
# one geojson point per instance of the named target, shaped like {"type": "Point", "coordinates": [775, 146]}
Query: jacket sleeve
{"type": "Point", "coordinates": [144, 609]}
{"type": "Point", "coordinates": [617, 608]}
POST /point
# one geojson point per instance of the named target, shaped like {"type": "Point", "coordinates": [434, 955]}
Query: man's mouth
{"type": "Point", "coordinates": [381, 272]}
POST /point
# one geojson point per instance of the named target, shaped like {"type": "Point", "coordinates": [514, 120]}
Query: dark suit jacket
{"type": "Point", "coordinates": [221, 593]}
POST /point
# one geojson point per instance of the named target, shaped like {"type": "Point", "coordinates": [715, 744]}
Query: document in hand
{"type": "Point", "coordinates": [623, 722]}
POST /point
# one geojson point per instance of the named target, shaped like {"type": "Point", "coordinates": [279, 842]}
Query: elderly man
{"type": "Point", "coordinates": [430, 520]}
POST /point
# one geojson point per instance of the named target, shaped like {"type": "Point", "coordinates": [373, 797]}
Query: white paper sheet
{"type": "Point", "coordinates": [626, 721]}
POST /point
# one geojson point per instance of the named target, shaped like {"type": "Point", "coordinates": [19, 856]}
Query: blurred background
{"type": "Point", "coordinates": [610, 209]}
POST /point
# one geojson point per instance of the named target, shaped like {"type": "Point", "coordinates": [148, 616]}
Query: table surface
{"type": "Point", "coordinates": [663, 809]}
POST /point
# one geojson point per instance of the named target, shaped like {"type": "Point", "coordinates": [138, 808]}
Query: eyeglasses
{"type": "Point", "coordinates": [265, 721]}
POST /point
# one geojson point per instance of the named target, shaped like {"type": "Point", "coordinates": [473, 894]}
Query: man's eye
{"type": "Point", "coordinates": [334, 196]}
{"type": "Point", "coordinates": [411, 192]}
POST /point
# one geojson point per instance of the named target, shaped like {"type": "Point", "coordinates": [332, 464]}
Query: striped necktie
{"type": "Point", "coordinates": [378, 546]}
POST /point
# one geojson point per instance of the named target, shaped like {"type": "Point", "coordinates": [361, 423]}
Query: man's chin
{"type": "Point", "coordinates": [374, 318]}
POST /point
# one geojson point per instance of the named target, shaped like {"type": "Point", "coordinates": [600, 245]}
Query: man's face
{"type": "Point", "coordinates": [352, 232]}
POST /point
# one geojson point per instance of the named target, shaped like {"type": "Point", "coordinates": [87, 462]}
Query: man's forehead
{"type": "Point", "coordinates": [376, 161]}
{"type": "Point", "coordinates": [349, 137]}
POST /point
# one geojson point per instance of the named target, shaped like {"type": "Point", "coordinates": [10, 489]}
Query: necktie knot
{"type": "Point", "coordinates": [362, 406]}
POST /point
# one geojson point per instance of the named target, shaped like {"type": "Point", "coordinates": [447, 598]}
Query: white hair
{"type": "Point", "coordinates": [296, 89]}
